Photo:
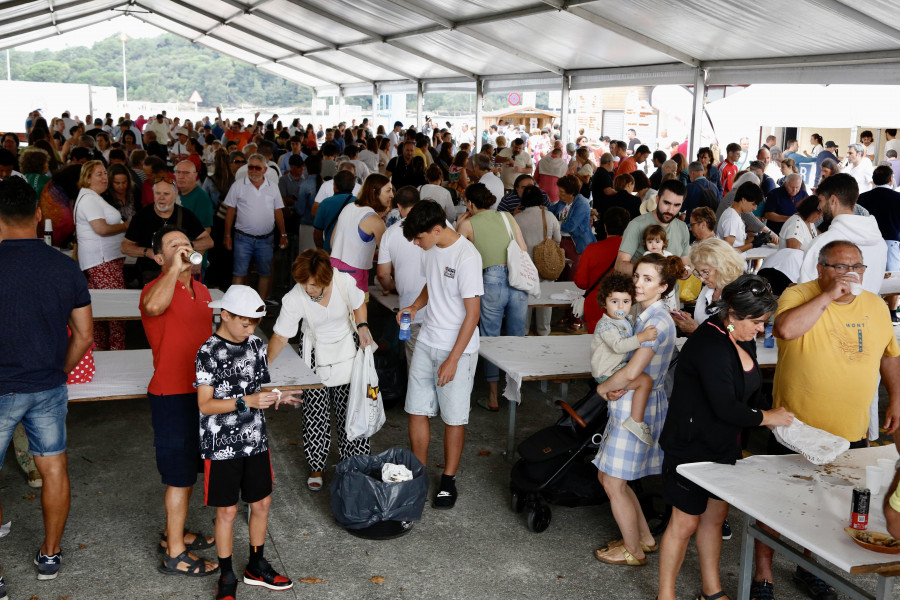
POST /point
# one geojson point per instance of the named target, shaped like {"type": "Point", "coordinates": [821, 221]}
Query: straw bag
{"type": "Point", "coordinates": [549, 258]}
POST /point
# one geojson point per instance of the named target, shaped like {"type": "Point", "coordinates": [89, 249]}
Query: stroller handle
{"type": "Point", "coordinates": [571, 411]}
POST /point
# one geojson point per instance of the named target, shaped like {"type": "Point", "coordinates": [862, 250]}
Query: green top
{"type": "Point", "coordinates": [679, 239]}
{"type": "Point", "coordinates": [491, 237]}
{"type": "Point", "coordinates": [197, 201]}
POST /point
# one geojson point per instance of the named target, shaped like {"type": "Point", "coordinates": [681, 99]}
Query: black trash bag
{"type": "Point", "coordinates": [360, 499]}
{"type": "Point", "coordinates": [392, 377]}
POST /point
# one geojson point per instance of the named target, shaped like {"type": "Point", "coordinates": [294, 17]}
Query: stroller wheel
{"type": "Point", "coordinates": [539, 518]}
{"type": "Point", "coordinates": [517, 501]}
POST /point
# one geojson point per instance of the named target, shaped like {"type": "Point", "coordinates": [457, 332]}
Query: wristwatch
{"type": "Point", "coordinates": [240, 405]}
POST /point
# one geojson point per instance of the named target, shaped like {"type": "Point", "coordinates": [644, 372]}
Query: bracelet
{"type": "Point", "coordinates": [363, 324]}
{"type": "Point", "coordinates": [283, 235]}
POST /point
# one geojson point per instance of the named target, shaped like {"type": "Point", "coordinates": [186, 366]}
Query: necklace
{"type": "Point", "coordinates": [319, 298]}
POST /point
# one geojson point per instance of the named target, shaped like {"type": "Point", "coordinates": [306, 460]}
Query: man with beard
{"type": "Point", "coordinates": [138, 240]}
{"type": "Point", "coordinates": [669, 201]}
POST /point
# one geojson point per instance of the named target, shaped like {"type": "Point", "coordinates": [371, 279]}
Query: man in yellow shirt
{"type": "Point", "coordinates": [831, 346]}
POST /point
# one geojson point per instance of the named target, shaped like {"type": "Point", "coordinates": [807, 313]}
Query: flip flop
{"type": "Point", "coordinates": [314, 484]}
{"type": "Point", "coordinates": [483, 403]}
{"type": "Point", "coordinates": [627, 558]}
{"type": "Point", "coordinates": [621, 542]}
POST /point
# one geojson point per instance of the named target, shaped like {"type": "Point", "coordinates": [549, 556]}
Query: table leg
{"type": "Point", "coordinates": [885, 588]}
{"type": "Point", "coordinates": [511, 433]}
{"type": "Point", "coordinates": [543, 386]}
{"type": "Point", "coordinates": [564, 390]}
{"type": "Point", "coordinates": [745, 572]}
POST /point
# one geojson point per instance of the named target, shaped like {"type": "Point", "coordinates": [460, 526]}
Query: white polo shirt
{"type": "Point", "coordinates": [255, 207]}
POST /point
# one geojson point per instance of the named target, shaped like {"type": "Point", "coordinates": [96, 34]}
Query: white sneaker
{"type": "Point", "coordinates": [641, 430]}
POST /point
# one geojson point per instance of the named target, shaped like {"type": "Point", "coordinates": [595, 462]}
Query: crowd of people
{"type": "Point", "coordinates": [431, 216]}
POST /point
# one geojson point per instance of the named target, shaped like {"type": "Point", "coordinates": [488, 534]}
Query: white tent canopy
{"type": "Point", "coordinates": [835, 106]}
{"type": "Point", "coordinates": [353, 47]}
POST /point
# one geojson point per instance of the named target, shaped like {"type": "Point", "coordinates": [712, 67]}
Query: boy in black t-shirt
{"type": "Point", "coordinates": [231, 368]}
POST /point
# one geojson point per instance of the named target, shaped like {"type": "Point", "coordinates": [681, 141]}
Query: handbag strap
{"type": "Point", "coordinates": [512, 237]}
{"type": "Point", "coordinates": [544, 219]}
{"type": "Point", "coordinates": [599, 279]}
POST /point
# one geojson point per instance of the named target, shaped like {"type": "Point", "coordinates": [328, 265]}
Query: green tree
{"type": "Point", "coordinates": [48, 70]}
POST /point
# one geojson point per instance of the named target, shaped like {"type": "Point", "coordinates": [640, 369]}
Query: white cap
{"type": "Point", "coordinates": [181, 131]}
{"type": "Point", "coordinates": [241, 300]}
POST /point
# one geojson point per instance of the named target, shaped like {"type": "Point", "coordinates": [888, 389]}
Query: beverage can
{"type": "Point", "coordinates": [196, 258]}
{"type": "Point", "coordinates": [859, 508]}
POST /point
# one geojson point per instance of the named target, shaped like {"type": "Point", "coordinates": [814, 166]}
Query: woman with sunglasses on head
{"type": "Point", "coordinates": [716, 264]}
{"type": "Point", "coordinates": [717, 389]}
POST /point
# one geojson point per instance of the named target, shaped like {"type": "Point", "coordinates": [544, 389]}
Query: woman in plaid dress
{"type": "Point", "coordinates": [622, 456]}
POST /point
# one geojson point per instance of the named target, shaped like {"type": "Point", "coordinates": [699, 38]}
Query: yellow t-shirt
{"type": "Point", "coordinates": [828, 376]}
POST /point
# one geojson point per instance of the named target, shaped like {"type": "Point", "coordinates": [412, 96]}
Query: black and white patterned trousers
{"type": "Point", "coordinates": [318, 405]}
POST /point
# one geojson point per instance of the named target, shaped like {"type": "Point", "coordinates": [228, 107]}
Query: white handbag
{"type": "Point", "coordinates": [365, 410]}
{"type": "Point", "coordinates": [523, 275]}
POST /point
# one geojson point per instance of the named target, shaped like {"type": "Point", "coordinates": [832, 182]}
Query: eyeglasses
{"type": "Point", "coordinates": [840, 269]}
{"type": "Point", "coordinates": [254, 168]}
{"type": "Point", "coordinates": [694, 224]}
{"type": "Point", "coordinates": [701, 274]}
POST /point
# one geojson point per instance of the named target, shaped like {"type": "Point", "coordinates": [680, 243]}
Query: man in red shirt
{"type": "Point", "coordinates": [618, 149]}
{"type": "Point", "coordinates": [728, 169]}
{"type": "Point", "coordinates": [241, 138]}
{"type": "Point", "coordinates": [177, 319]}
{"type": "Point", "coordinates": [629, 163]}
{"type": "Point", "coordinates": [597, 260]}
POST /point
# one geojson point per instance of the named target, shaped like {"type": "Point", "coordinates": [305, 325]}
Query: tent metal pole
{"type": "Point", "coordinates": [420, 104]}
{"type": "Point", "coordinates": [479, 109]}
{"type": "Point", "coordinates": [564, 110]}
{"type": "Point", "coordinates": [374, 107]}
{"type": "Point", "coordinates": [697, 113]}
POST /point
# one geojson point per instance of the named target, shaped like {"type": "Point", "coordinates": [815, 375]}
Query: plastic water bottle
{"type": "Point", "coordinates": [769, 341]}
{"type": "Point", "coordinates": [48, 232]}
{"type": "Point", "coordinates": [405, 322]}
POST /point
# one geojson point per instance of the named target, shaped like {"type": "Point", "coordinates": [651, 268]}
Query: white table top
{"type": "Point", "coordinates": [891, 283]}
{"type": "Point", "coordinates": [392, 300]}
{"type": "Point", "coordinates": [123, 305]}
{"type": "Point", "coordinates": [537, 357]}
{"type": "Point", "coordinates": [761, 252]}
{"type": "Point", "coordinates": [809, 504]}
{"type": "Point", "coordinates": [125, 374]}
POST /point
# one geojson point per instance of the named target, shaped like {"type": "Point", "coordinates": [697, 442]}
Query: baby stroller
{"type": "Point", "coordinates": [555, 468]}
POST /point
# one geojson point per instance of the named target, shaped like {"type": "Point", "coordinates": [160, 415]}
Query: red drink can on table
{"type": "Point", "coordinates": [859, 508]}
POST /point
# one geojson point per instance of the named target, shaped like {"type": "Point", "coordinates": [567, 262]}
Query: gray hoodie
{"type": "Point", "coordinates": [862, 231]}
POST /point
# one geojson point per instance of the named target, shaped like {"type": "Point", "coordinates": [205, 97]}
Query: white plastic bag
{"type": "Point", "coordinates": [391, 473]}
{"type": "Point", "coordinates": [365, 411]}
{"type": "Point", "coordinates": [818, 446]}
{"type": "Point", "coordinates": [523, 275]}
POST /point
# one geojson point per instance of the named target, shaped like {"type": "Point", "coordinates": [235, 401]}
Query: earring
{"type": "Point", "coordinates": [730, 328]}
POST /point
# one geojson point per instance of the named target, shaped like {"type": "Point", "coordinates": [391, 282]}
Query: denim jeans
{"type": "Point", "coordinates": [44, 416]}
{"type": "Point", "coordinates": [501, 300]}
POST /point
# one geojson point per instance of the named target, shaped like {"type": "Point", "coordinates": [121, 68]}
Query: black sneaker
{"type": "Point", "coordinates": [48, 566]}
{"type": "Point", "coordinates": [726, 530]}
{"type": "Point", "coordinates": [227, 588]}
{"type": "Point", "coordinates": [265, 576]}
{"type": "Point", "coordinates": [3, 595]}
{"type": "Point", "coordinates": [814, 587]}
{"type": "Point", "coordinates": [762, 590]}
{"type": "Point", "coordinates": [445, 500]}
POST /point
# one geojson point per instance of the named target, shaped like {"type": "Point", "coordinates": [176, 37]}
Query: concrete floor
{"type": "Point", "coordinates": [481, 549]}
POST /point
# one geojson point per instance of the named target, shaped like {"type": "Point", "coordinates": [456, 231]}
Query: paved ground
{"type": "Point", "coordinates": [481, 549]}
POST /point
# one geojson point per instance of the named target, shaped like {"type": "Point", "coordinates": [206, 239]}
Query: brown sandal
{"type": "Point", "coordinates": [621, 542]}
{"type": "Point", "coordinates": [627, 558]}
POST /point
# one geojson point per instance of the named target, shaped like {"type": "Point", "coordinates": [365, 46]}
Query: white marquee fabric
{"type": "Point", "coordinates": [360, 46]}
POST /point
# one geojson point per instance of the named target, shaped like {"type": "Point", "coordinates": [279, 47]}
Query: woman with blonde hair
{"type": "Point", "coordinates": [100, 230]}
{"type": "Point", "coordinates": [584, 169]}
{"type": "Point", "coordinates": [716, 264]}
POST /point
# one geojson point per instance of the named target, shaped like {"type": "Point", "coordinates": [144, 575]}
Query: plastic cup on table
{"type": "Point", "coordinates": [873, 479]}
{"type": "Point", "coordinates": [889, 468]}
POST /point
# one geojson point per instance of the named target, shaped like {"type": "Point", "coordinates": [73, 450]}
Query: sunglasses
{"type": "Point", "coordinates": [254, 168]}
{"type": "Point", "coordinates": [164, 179]}
{"type": "Point", "coordinates": [757, 289]}
{"type": "Point", "coordinates": [239, 162]}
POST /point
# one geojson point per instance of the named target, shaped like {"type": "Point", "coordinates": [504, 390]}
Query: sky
{"type": "Point", "coordinates": [132, 27]}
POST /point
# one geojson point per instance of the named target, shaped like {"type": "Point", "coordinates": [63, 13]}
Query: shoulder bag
{"type": "Point", "coordinates": [549, 258]}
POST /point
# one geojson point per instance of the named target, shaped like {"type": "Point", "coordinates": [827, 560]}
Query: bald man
{"type": "Point", "coordinates": [193, 197]}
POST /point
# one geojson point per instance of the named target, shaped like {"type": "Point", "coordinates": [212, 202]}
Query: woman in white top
{"type": "Point", "coordinates": [731, 226]}
{"type": "Point", "coordinates": [800, 228]}
{"type": "Point", "coordinates": [436, 192]}
{"type": "Point", "coordinates": [537, 224]}
{"type": "Point", "coordinates": [816, 140]}
{"type": "Point", "coordinates": [100, 230]}
{"type": "Point", "coordinates": [716, 264]}
{"type": "Point", "coordinates": [359, 229]}
{"type": "Point", "coordinates": [332, 309]}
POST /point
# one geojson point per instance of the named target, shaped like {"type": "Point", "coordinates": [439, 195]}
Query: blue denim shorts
{"type": "Point", "coordinates": [425, 397]}
{"type": "Point", "coordinates": [43, 414]}
{"type": "Point", "coordinates": [247, 249]}
{"type": "Point", "coordinates": [893, 256]}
